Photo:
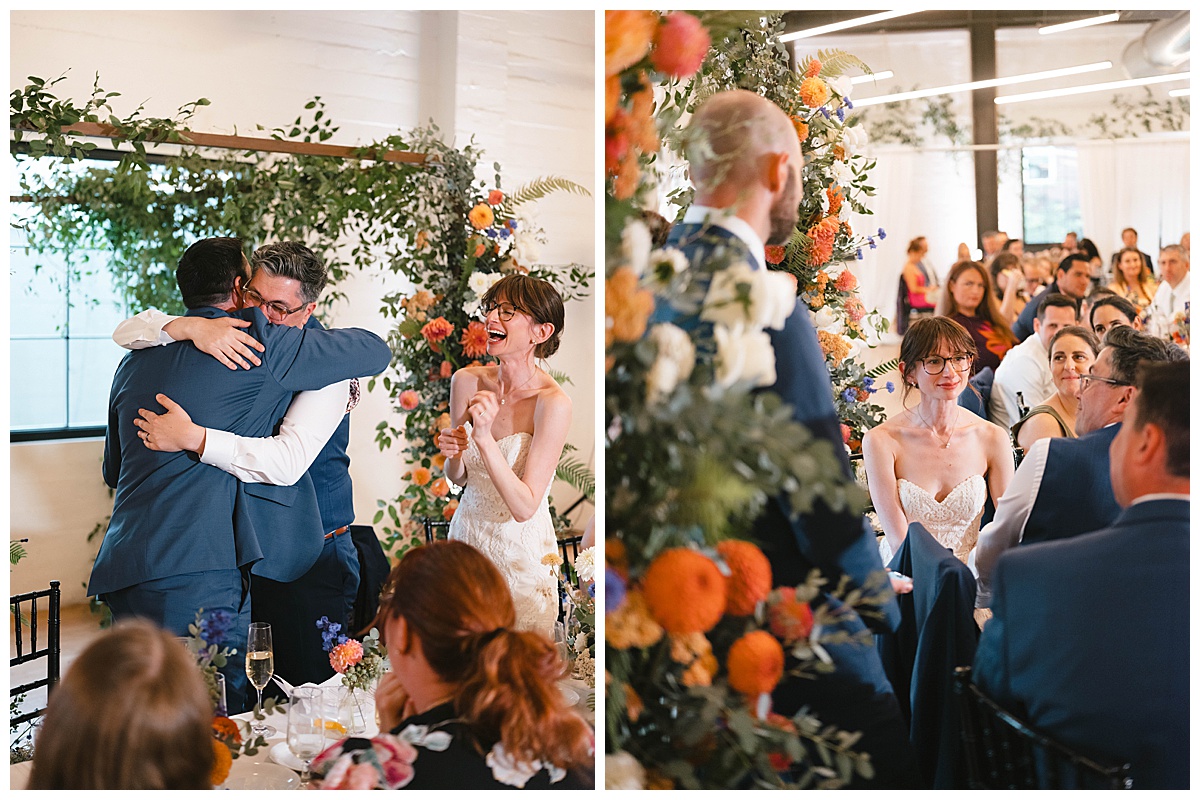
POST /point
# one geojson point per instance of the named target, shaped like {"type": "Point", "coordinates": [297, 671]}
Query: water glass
{"type": "Point", "coordinates": [306, 726]}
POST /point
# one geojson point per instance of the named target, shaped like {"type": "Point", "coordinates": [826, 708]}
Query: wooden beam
{"type": "Point", "coordinates": [105, 131]}
{"type": "Point", "coordinates": [984, 127]}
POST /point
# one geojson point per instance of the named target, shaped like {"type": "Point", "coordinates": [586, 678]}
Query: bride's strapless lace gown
{"type": "Point", "coordinates": [516, 548]}
{"type": "Point", "coordinates": [954, 521]}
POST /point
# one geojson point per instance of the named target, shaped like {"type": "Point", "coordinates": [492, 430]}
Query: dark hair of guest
{"type": "Point", "coordinates": [208, 271]}
{"type": "Point", "coordinates": [1162, 401]}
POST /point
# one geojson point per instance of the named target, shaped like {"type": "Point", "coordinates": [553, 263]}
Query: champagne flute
{"type": "Point", "coordinates": [306, 726]}
{"type": "Point", "coordinates": [260, 666]}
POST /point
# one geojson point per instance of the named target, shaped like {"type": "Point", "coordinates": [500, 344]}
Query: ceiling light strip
{"type": "Point", "coordinates": [1180, 92]}
{"type": "Point", "coordinates": [1079, 23]}
{"type": "Point", "coordinates": [1092, 87]}
{"type": "Point", "coordinates": [841, 26]}
{"type": "Point", "coordinates": [965, 87]}
{"type": "Point", "coordinates": [882, 75]}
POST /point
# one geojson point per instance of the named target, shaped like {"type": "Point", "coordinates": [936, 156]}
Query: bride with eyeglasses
{"type": "Point", "coordinates": [509, 425]}
{"type": "Point", "coordinates": [937, 462]}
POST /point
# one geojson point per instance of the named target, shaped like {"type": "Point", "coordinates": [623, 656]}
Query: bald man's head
{"type": "Point", "coordinates": [736, 143]}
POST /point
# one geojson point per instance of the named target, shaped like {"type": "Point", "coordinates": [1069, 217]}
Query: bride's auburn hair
{"type": "Point", "coordinates": [537, 298]}
{"type": "Point", "coordinates": [457, 602]}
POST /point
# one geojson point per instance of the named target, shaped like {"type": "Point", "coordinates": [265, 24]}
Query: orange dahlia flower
{"type": "Point", "coordinates": [814, 92]}
{"type": "Point", "coordinates": [225, 728]}
{"type": "Point", "coordinates": [775, 253]}
{"type": "Point", "coordinates": [438, 460]}
{"type": "Point", "coordinates": [222, 762]}
{"type": "Point", "coordinates": [685, 591]}
{"type": "Point", "coordinates": [787, 617]}
{"type": "Point", "coordinates": [345, 655]}
{"type": "Point", "coordinates": [749, 581]}
{"type": "Point", "coordinates": [846, 282]}
{"type": "Point", "coordinates": [801, 128]}
{"type": "Point", "coordinates": [626, 307]}
{"type": "Point", "coordinates": [474, 340]}
{"type": "Point", "coordinates": [813, 69]}
{"type": "Point", "coordinates": [682, 43]}
{"type": "Point", "coordinates": [495, 197]}
{"type": "Point", "coordinates": [755, 663]}
{"type": "Point", "coordinates": [834, 193]}
{"type": "Point", "coordinates": [437, 329]}
{"type": "Point", "coordinates": [448, 511]}
{"type": "Point", "coordinates": [409, 399]}
{"type": "Point", "coordinates": [822, 235]}
{"type": "Point", "coordinates": [481, 216]}
{"type": "Point", "coordinates": [440, 488]}
{"type": "Point", "coordinates": [627, 37]}
{"type": "Point", "coordinates": [421, 476]}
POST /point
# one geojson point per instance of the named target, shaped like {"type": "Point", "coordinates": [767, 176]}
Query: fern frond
{"type": "Point", "coordinates": [884, 368]}
{"type": "Point", "coordinates": [539, 188]}
{"type": "Point", "coordinates": [560, 377]}
{"type": "Point", "coordinates": [835, 62]}
{"type": "Point", "coordinates": [15, 552]}
{"type": "Point", "coordinates": [723, 24]}
{"type": "Point", "coordinates": [577, 475]}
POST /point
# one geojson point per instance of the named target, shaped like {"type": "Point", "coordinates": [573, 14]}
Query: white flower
{"type": "Point", "coordinates": [743, 356]}
{"type": "Point", "coordinates": [841, 85]}
{"type": "Point", "coordinates": [826, 319]}
{"type": "Point", "coordinates": [636, 242]}
{"type": "Point", "coordinates": [622, 771]}
{"type": "Point", "coordinates": [854, 137]}
{"type": "Point", "coordinates": [478, 282]}
{"type": "Point", "coordinates": [824, 198]}
{"type": "Point", "coordinates": [740, 295]}
{"type": "Point", "coordinates": [471, 306]}
{"type": "Point", "coordinates": [855, 347]}
{"type": "Point", "coordinates": [509, 771]}
{"type": "Point", "coordinates": [779, 301]}
{"type": "Point", "coordinates": [580, 643]}
{"type": "Point", "coordinates": [668, 261]}
{"type": "Point", "coordinates": [842, 173]}
{"type": "Point", "coordinates": [585, 564]}
{"type": "Point", "coordinates": [674, 362]}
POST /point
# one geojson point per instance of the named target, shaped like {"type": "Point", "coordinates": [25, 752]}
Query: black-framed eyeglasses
{"type": "Point", "coordinates": [936, 365]}
{"type": "Point", "coordinates": [504, 311]}
{"type": "Point", "coordinates": [272, 308]}
{"type": "Point", "coordinates": [1084, 380]}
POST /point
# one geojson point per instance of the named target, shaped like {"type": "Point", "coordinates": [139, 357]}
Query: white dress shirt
{"type": "Point", "coordinates": [1025, 369]}
{"type": "Point", "coordinates": [1166, 304]}
{"type": "Point", "coordinates": [721, 218]}
{"type": "Point", "coordinates": [281, 459]}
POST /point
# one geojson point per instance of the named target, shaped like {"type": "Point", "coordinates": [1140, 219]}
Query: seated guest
{"type": "Point", "coordinates": [1088, 303]}
{"type": "Point", "coordinates": [1071, 278]}
{"type": "Point", "coordinates": [131, 713]}
{"type": "Point", "coordinates": [1132, 278]}
{"type": "Point", "coordinates": [1129, 241]}
{"type": "Point", "coordinates": [1070, 243]}
{"type": "Point", "coordinates": [970, 301]}
{"type": "Point", "coordinates": [1089, 636]}
{"type": "Point", "coordinates": [462, 670]}
{"type": "Point", "coordinates": [1061, 489]}
{"type": "Point", "coordinates": [1109, 310]}
{"type": "Point", "coordinates": [1096, 269]}
{"type": "Point", "coordinates": [1072, 352]}
{"type": "Point", "coordinates": [918, 288]}
{"type": "Point", "coordinates": [1174, 293]}
{"type": "Point", "coordinates": [1008, 278]}
{"type": "Point", "coordinates": [1026, 368]}
{"type": "Point", "coordinates": [1014, 246]}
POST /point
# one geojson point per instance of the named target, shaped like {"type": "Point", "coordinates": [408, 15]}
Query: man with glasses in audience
{"type": "Point", "coordinates": [1061, 488]}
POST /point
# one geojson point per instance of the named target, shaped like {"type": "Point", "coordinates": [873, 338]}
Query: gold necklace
{"type": "Point", "coordinates": [504, 395]}
{"type": "Point", "coordinates": [945, 444]}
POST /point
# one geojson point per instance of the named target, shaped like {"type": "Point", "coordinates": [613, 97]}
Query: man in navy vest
{"type": "Point", "coordinates": [748, 189]}
{"type": "Point", "coordinates": [1089, 638]}
{"type": "Point", "coordinates": [184, 536]}
{"type": "Point", "coordinates": [1062, 488]}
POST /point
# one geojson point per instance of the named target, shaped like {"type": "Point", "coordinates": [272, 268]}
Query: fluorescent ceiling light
{"type": "Point", "coordinates": [1079, 23]}
{"type": "Point", "coordinates": [841, 26]}
{"type": "Point", "coordinates": [1180, 92]}
{"type": "Point", "coordinates": [1091, 87]}
{"type": "Point", "coordinates": [878, 76]}
{"type": "Point", "coordinates": [964, 87]}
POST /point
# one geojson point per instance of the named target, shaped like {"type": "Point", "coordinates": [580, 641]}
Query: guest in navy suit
{"type": "Point", "coordinates": [183, 535]}
{"type": "Point", "coordinates": [1072, 278]}
{"type": "Point", "coordinates": [1089, 638]}
{"type": "Point", "coordinates": [1061, 488]}
{"type": "Point", "coordinates": [748, 188]}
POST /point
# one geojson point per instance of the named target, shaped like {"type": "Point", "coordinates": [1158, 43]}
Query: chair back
{"type": "Point", "coordinates": [1003, 752]}
{"type": "Point", "coordinates": [977, 401]}
{"type": "Point", "coordinates": [433, 527]}
{"type": "Point", "coordinates": [36, 635]}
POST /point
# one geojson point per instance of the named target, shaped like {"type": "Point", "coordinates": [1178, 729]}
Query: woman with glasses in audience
{"type": "Point", "coordinates": [1073, 350]}
{"type": "Point", "coordinates": [509, 423]}
{"type": "Point", "coordinates": [936, 462]}
{"type": "Point", "coordinates": [970, 301]}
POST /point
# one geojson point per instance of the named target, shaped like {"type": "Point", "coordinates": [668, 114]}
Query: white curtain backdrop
{"type": "Point", "coordinates": [1134, 183]}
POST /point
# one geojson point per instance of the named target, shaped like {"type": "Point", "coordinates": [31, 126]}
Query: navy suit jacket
{"type": "Point", "coordinates": [1089, 641]}
{"type": "Point", "coordinates": [173, 515]}
{"type": "Point", "coordinates": [330, 472]}
{"type": "Point", "coordinates": [1075, 495]}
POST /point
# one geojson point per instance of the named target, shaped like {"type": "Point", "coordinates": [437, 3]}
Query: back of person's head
{"type": "Point", "coordinates": [916, 245]}
{"type": "Point", "coordinates": [293, 260]}
{"type": "Point", "coordinates": [1064, 266]}
{"type": "Point", "coordinates": [1162, 400]}
{"type": "Point", "coordinates": [925, 337]}
{"type": "Point", "coordinates": [207, 271]}
{"type": "Point", "coordinates": [1004, 260]}
{"type": "Point", "coordinates": [1088, 249]}
{"type": "Point", "coordinates": [1055, 300]}
{"type": "Point", "coordinates": [1008, 244]}
{"type": "Point", "coordinates": [537, 298]}
{"type": "Point", "coordinates": [459, 606]}
{"type": "Point", "coordinates": [132, 712]}
{"type": "Point", "coordinates": [728, 135]}
{"type": "Point", "coordinates": [1131, 348]}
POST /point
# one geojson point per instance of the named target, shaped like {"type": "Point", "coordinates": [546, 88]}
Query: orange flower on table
{"type": "Point", "coordinates": [684, 590]}
{"type": "Point", "coordinates": [409, 399]}
{"type": "Point", "coordinates": [222, 762]}
{"type": "Point", "coordinates": [474, 340]}
{"type": "Point", "coordinates": [440, 488]}
{"type": "Point", "coordinates": [225, 728]}
{"type": "Point", "coordinates": [480, 247]}
{"type": "Point", "coordinates": [801, 128]}
{"type": "Point", "coordinates": [448, 511]}
{"type": "Point", "coordinates": [626, 308]}
{"type": "Point", "coordinates": [749, 580]}
{"type": "Point", "coordinates": [437, 329]}
{"type": "Point", "coordinates": [755, 663]}
{"type": "Point", "coordinates": [631, 625]}
{"type": "Point", "coordinates": [846, 282]}
{"type": "Point", "coordinates": [423, 299]}
{"type": "Point", "coordinates": [481, 216]}
{"type": "Point", "coordinates": [680, 46]}
{"type": "Point", "coordinates": [834, 193]}
{"type": "Point", "coordinates": [421, 476]}
{"type": "Point", "coordinates": [627, 37]}
{"type": "Point", "coordinates": [788, 618]}
{"type": "Point", "coordinates": [695, 652]}
{"type": "Point", "coordinates": [495, 197]}
{"type": "Point", "coordinates": [814, 92]}
{"type": "Point", "coordinates": [833, 346]}
{"type": "Point", "coordinates": [345, 655]}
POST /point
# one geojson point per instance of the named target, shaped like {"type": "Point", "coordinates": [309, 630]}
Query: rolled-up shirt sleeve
{"type": "Point", "coordinates": [281, 459]}
{"type": "Point", "coordinates": [1008, 525]}
{"type": "Point", "coordinates": [143, 330]}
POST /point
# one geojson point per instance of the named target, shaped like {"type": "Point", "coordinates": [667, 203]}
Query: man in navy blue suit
{"type": "Point", "coordinates": [1089, 636]}
{"type": "Point", "coordinates": [1072, 278]}
{"type": "Point", "coordinates": [183, 535]}
{"type": "Point", "coordinates": [746, 170]}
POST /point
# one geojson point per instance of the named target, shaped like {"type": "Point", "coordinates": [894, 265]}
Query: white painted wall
{"type": "Point", "coordinates": [522, 83]}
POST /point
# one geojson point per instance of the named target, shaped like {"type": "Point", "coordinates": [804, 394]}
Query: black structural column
{"type": "Point", "coordinates": [983, 122]}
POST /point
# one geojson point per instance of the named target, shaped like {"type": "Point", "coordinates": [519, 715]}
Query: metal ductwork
{"type": "Point", "coordinates": [1164, 48]}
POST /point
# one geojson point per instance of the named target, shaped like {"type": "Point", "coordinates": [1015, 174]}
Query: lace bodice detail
{"type": "Point", "coordinates": [484, 521]}
{"type": "Point", "coordinates": [954, 521]}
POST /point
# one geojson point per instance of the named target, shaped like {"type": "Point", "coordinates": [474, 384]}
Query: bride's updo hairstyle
{"type": "Point", "coordinates": [457, 603]}
{"type": "Point", "coordinates": [537, 298]}
{"type": "Point", "coordinates": [924, 338]}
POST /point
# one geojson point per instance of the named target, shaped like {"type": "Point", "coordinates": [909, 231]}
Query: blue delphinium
{"type": "Point", "coordinates": [869, 383]}
{"type": "Point", "coordinates": [614, 591]}
{"type": "Point", "coordinates": [214, 626]}
{"type": "Point", "coordinates": [331, 636]}
{"type": "Point", "coordinates": [882, 234]}
{"type": "Point", "coordinates": [858, 254]}
{"type": "Point", "coordinates": [841, 115]}
{"type": "Point", "coordinates": [849, 395]}
{"type": "Point", "coordinates": [891, 387]}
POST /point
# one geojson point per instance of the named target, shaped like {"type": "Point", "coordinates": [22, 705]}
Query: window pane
{"type": "Point", "coordinates": [1051, 181]}
{"type": "Point", "coordinates": [36, 296]}
{"type": "Point", "coordinates": [95, 310]}
{"type": "Point", "coordinates": [38, 380]}
{"type": "Point", "coordinates": [92, 364]}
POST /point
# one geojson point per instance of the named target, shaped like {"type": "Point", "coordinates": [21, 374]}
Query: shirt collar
{"type": "Point", "coordinates": [1146, 498]}
{"type": "Point", "coordinates": [721, 218]}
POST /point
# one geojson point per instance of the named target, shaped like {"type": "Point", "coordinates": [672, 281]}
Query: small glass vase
{"type": "Point", "coordinates": [358, 711]}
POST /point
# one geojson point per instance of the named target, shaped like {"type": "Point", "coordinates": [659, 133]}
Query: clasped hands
{"type": "Point", "coordinates": [482, 408]}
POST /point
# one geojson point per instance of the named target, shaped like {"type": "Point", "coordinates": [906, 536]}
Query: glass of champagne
{"type": "Point", "coordinates": [260, 666]}
{"type": "Point", "coordinates": [306, 726]}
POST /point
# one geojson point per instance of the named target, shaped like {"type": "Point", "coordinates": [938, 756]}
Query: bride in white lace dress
{"type": "Point", "coordinates": [936, 462]}
{"type": "Point", "coordinates": [510, 424]}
